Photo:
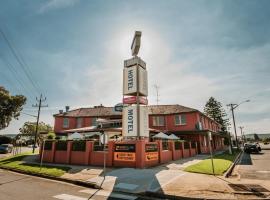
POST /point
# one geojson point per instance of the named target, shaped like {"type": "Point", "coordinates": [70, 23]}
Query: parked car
{"type": "Point", "coordinates": [252, 148]}
{"type": "Point", "coordinates": [6, 148]}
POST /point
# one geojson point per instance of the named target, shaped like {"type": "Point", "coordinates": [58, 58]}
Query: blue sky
{"type": "Point", "coordinates": [74, 52]}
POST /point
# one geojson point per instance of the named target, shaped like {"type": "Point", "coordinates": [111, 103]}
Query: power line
{"type": "Point", "coordinates": [17, 76]}
{"type": "Point", "coordinates": [14, 52]}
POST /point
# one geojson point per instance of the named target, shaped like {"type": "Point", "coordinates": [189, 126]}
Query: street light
{"type": "Point", "coordinates": [232, 107]}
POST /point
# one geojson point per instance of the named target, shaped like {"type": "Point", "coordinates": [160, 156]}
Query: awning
{"type": "Point", "coordinates": [75, 136]}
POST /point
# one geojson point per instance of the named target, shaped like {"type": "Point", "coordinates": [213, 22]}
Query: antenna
{"type": "Point", "coordinates": [157, 92]}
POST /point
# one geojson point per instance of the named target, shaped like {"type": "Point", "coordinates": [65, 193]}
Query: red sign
{"type": "Point", "coordinates": [133, 100]}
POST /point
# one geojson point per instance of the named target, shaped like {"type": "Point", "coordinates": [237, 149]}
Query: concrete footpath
{"type": "Point", "coordinates": [167, 180]}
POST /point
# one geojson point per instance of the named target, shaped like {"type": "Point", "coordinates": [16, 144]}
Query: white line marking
{"type": "Point", "coordinates": [108, 194]}
{"type": "Point", "coordinates": [69, 197]}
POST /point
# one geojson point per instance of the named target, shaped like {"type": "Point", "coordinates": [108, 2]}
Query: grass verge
{"type": "Point", "coordinates": [16, 162]}
{"type": "Point", "coordinates": [221, 164]}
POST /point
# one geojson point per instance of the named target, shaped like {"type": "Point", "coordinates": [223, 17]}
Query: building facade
{"type": "Point", "coordinates": [187, 123]}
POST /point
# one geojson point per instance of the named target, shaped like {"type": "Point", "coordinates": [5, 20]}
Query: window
{"type": "Point", "coordinates": [94, 121]}
{"type": "Point", "coordinates": [79, 122]}
{"type": "Point", "coordinates": [159, 121]}
{"type": "Point", "coordinates": [65, 123]}
{"type": "Point", "coordinates": [180, 120]}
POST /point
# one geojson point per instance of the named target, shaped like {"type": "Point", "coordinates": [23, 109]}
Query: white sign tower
{"type": "Point", "coordinates": [135, 92]}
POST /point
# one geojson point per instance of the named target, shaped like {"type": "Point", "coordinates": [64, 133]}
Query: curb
{"type": "Point", "coordinates": [75, 182]}
{"type": "Point", "coordinates": [229, 171]}
{"type": "Point", "coordinates": [168, 196]}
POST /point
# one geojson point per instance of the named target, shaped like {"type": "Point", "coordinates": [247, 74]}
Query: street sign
{"type": "Point", "coordinates": [118, 107]}
{"type": "Point", "coordinates": [210, 135]}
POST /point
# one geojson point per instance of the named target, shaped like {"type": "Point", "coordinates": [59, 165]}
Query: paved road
{"type": "Point", "coordinates": [22, 150]}
{"type": "Point", "coordinates": [15, 186]}
{"type": "Point", "coordinates": [255, 166]}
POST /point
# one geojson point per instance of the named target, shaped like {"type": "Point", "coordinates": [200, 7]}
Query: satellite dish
{"type": "Point", "coordinates": [136, 43]}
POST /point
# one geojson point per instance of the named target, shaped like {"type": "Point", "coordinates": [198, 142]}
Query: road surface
{"type": "Point", "coordinates": [255, 166]}
{"type": "Point", "coordinates": [15, 186]}
{"type": "Point", "coordinates": [20, 150]}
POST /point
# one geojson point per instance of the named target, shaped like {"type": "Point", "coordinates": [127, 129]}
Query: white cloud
{"type": "Point", "coordinates": [56, 4]}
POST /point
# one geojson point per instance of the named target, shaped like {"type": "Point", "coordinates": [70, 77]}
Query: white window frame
{"type": "Point", "coordinates": [156, 120]}
{"type": "Point", "coordinates": [79, 122]}
{"type": "Point", "coordinates": [66, 122]}
{"type": "Point", "coordinates": [180, 120]}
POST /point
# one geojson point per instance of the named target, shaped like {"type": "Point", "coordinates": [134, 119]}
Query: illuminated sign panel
{"type": "Point", "coordinates": [130, 86]}
{"type": "Point", "coordinates": [130, 121]}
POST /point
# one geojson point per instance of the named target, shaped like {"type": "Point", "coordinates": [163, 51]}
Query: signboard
{"type": "Point", "coordinates": [124, 156]}
{"type": "Point", "coordinates": [149, 156]}
{"type": "Point", "coordinates": [130, 85]}
{"type": "Point", "coordinates": [210, 135]}
{"type": "Point", "coordinates": [124, 148]}
{"type": "Point", "coordinates": [118, 107]}
{"type": "Point", "coordinates": [151, 148]}
{"type": "Point", "coordinates": [130, 80]}
{"type": "Point", "coordinates": [130, 121]}
{"type": "Point", "coordinates": [133, 100]}
{"type": "Point", "coordinates": [144, 124]}
{"type": "Point", "coordinates": [143, 82]}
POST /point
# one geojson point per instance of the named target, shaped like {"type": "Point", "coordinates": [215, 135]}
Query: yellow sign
{"type": "Point", "coordinates": [124, 156]}
{"type": "Point", "coordinates": [151, 156]}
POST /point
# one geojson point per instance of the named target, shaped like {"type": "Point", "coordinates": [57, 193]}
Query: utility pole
{"type": "Point", "coordinates": [233, 106]}
{"type": "Point", "coordinates": [157, 91]}
{"type": "Point", "coordinates": [39, 105]}
{"type": "Point", "coordinates": [243, 138]}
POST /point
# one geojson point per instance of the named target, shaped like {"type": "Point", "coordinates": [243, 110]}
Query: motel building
{"type": "Point", "coordinates": [189, 125]}
{"type": "Point", "coordinates": [136, 135]}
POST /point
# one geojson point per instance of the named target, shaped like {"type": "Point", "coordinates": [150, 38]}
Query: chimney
{"type": "Point", "coordinates": [67, 108]}
{"type": "Point", "coordinates": [60, 111]}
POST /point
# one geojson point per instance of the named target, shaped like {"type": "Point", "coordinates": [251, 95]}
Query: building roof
{"type": "Point", "coordinates": [109, 111]}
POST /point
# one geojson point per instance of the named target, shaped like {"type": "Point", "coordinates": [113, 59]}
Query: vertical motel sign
{"type": "Point", "coordinates": [135, 86]}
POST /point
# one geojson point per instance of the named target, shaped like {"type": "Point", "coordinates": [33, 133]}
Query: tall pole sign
{"type": "Point", "coordinates": [135, 92]}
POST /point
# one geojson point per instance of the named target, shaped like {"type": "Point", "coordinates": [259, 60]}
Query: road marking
{"type": "Point", "coordinates": [69, 197]}
{"type": "Point", "coordinates": [108, 194]}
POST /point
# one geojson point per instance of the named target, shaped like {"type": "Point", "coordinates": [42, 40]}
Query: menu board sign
{"type": "Point", "coordinates": [151, 148]}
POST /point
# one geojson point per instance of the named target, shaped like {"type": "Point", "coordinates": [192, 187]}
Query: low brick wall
{"type": "Point", "coordinates": [136, 153]}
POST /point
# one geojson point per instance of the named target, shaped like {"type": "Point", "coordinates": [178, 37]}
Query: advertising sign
{"type": "Point", "coordinates": [124, 156]}
{"type": "Point", "coordinates": [133, 100]}
{"type": "Point", "coordinates": [124, 148]}
{"type": "Point", "coordinates": [144, 125]}
{"type": "Point", "coordinates": [130, 80]}
{"type": "Point", "coordinates": [129, 123]}
{"type": "Point", "coordinates": [130, 86]}
{"type": "Point", "coordinates": [149, 156]}
{"type": "Point", "coordinates": [143, 82]}
{"type": "Point", "coordinates": [151, 148]}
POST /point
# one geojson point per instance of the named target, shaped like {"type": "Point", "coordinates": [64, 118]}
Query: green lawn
{"type": "Point", "coordinates": [15, 162]}
{"type": "Point", "coordinates": [221, 164]}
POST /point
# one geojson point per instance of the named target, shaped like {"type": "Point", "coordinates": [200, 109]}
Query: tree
{"type": "Point", "coordinates": [256, 137]}
{"type": "Point", "coordinates": [214, 110]}
{"type": "Point", "coordinates": [29, 128]}
{"type": "Point", "coordinates": [10, 107]}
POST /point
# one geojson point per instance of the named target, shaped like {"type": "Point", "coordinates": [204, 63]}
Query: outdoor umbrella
{"type": "Point", "coordinates": [173, 137]}
{"type": "Point", "coordinates": [161, 136]}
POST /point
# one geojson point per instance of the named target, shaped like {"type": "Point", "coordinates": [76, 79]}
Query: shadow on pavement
{"type": "Point", "coordinates": [245, 160]}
